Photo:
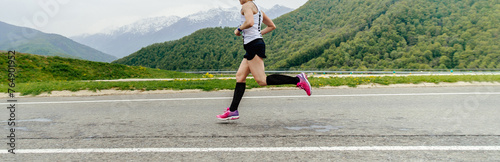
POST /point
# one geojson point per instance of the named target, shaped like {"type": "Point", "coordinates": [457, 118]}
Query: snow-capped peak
{"type": "Point", "coordinates": [144, 26]}
{"type": "Point", "coordinates": [206, 15]}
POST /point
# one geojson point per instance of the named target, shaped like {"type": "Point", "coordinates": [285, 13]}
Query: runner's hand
{"type": "Point", "coordinates": [237, 33]}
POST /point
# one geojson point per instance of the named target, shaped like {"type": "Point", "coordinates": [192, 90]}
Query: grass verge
{"type": "Point", "coordinates": [36, 88]}
{"type": "Point", "coordinates": [35, 68]}
{"type": "Point", "coordinates": [387, 80]}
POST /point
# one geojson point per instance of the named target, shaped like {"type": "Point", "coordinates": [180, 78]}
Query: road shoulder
{"type": "Point", "coordinates": [140, 92]}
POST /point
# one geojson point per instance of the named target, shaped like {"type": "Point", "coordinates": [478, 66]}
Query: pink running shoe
{"type": "Point", "coordinates": [228, 115]}
{"type": "Point", "coordinates": [304, 83]}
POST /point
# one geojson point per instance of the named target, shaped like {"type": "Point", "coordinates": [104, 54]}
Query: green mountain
{"type": "Point", "coordinates": [28, 40]}
{"type": "Point", "coordinates": [354, 34]}
{"type": "Point", "coordinates": [36, 68]}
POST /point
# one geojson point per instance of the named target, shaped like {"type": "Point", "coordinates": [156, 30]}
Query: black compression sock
{"type": "Point", "coordinates": [276, 79]}
{"type": "Point", "coordinates": [238, 94]}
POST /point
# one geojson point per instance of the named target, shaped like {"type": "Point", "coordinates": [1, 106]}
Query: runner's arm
{"type": "Point", "coordinates": [270, 24]}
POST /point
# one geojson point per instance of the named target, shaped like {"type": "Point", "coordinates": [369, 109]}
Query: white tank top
{"type": "Point", "coordinates": [253, 32]}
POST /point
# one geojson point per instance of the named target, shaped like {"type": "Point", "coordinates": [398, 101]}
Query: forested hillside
{"type": "Point", "coordinates": [354, 34]}
{"type": "Point", "coordinates": [422, 34]}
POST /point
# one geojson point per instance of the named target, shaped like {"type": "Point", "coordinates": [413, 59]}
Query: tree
{"type": "Point", "coordinates": [446, 61]}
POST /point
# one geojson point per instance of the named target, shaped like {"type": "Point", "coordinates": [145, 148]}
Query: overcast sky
{"type": "Point", "coordinates": [75, 17]}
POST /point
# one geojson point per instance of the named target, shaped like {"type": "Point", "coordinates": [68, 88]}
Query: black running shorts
{"type": "Point", "coordinates": [255, 47]}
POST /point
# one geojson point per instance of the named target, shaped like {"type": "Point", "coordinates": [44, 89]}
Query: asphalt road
{"type": "Point", "coordinates": [380, 124]}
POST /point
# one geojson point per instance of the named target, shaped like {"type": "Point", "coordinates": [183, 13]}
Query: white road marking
{"type": "Point", "coordinates": [254, 97]}
{"type": "Point", "coordinates": [255, 149]}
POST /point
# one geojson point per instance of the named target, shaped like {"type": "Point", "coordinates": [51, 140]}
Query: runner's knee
{"type": "Point", "coordinates": [261, 82]}
{"type": "Point", "coordinates": [240, 77]}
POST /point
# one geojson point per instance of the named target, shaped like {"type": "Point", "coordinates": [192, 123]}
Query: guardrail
{"type": "Point", "coordinates": [479, 72]}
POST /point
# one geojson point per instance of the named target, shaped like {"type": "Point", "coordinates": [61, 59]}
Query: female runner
{"type": "Point", "coordinates": [252, 18]}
